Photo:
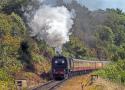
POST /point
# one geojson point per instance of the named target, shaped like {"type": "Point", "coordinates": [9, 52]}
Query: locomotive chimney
{"type": "Point", "coordinates": [58, 50]}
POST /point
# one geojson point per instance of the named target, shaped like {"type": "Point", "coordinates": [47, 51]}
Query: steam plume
{"type": "Point", "coordinates": [52, 24]}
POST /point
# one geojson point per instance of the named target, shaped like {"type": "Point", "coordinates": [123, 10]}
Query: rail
{"type": "Point", "coordinates": [33, 88]}
{"type": "Point", "coordinates": [49, 86]}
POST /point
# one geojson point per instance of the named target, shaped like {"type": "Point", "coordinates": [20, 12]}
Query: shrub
{"type": "Point", "coordinates": [114, 72]}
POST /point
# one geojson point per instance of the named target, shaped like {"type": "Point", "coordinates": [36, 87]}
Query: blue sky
{"type": "Point", "coordinates": [103, 4]}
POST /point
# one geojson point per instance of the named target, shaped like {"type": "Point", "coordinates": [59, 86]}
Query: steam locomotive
{"type": "Point", "coordinates": [63, 67]}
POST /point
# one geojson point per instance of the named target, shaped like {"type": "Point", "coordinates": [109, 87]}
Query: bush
{"type": "Point", "coordinates": [6, 81]}
{"type": "Point", "coordinates": [114, 72]}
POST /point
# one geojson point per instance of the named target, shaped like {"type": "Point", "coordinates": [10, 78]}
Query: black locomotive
{"type": "Point", "coordinates": [61, 67]}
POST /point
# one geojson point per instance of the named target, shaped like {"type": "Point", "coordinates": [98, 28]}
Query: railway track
{"type": "Point", "coordinates": [52, 85]}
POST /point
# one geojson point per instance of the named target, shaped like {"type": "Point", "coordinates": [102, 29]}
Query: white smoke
{"type": "Point", "coordinates": [52, 24]}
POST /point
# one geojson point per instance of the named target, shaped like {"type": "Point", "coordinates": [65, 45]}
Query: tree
{"type": "Point", "coordinates": [9, 6]}
{"type": "Point", "coordinates": [75, 47]}
{"type": "Point", "coordinates": [104, 35]}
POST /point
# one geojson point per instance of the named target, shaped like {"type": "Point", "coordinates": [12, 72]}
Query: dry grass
{"type": "Point", "coordinates": [72, 84]}
{"type": "Point", "coordinates": [109, 85]}
{"type": "Point", "coordinates": [99, 84]}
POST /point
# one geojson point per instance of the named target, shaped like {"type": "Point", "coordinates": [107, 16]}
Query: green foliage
{"type": "Point", "coordinates": [4, 75]}
{"type": "Point", "coordinates": [38, 58]}
{"type": "Point", "coordinates": [6, 81]}
{"type": "Point", "coordinates": [13, 31]}
{"type": "Point", "coordinates": [75, 48]}
{"type": "Point", "coordinates": [7, 85]}
{"type": "Point", "coordinates": [119, 53]}
{"type": "Point", "coordinates": [119, 38]}
{"type": "Point", "coordinates": [17, 51]}
{"type": "Point", "coordinates": [116, 22]}
{"type": "Point", "coordinates": [19, 25]}
{"type": "Point", "coordinates": [104, 35]}
{"type": "Point", "coordinates": [11, 25]}
{"type": "Point", "coordinates": [11, 65]}
{"type": "Point", "coordinates": [116, 50]}
{"type": "Point", "coordinates": [9, 6]}
{"type": "Point", "coordinates": [5, 23]}
{"type": "Point", "coordinates": [110, 36]}
{"type": "Point", "coordinates": [114, 72]}
{"type": "Point", "coordinates": [8, 2]}
{"type": "Point", "coordinates": [45, 49]}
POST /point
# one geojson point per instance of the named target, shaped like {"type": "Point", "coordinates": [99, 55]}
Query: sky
{"type": "Point", "coordinates": [96, 4]}
{"type": "Point", "coordinates": [103, 4]}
